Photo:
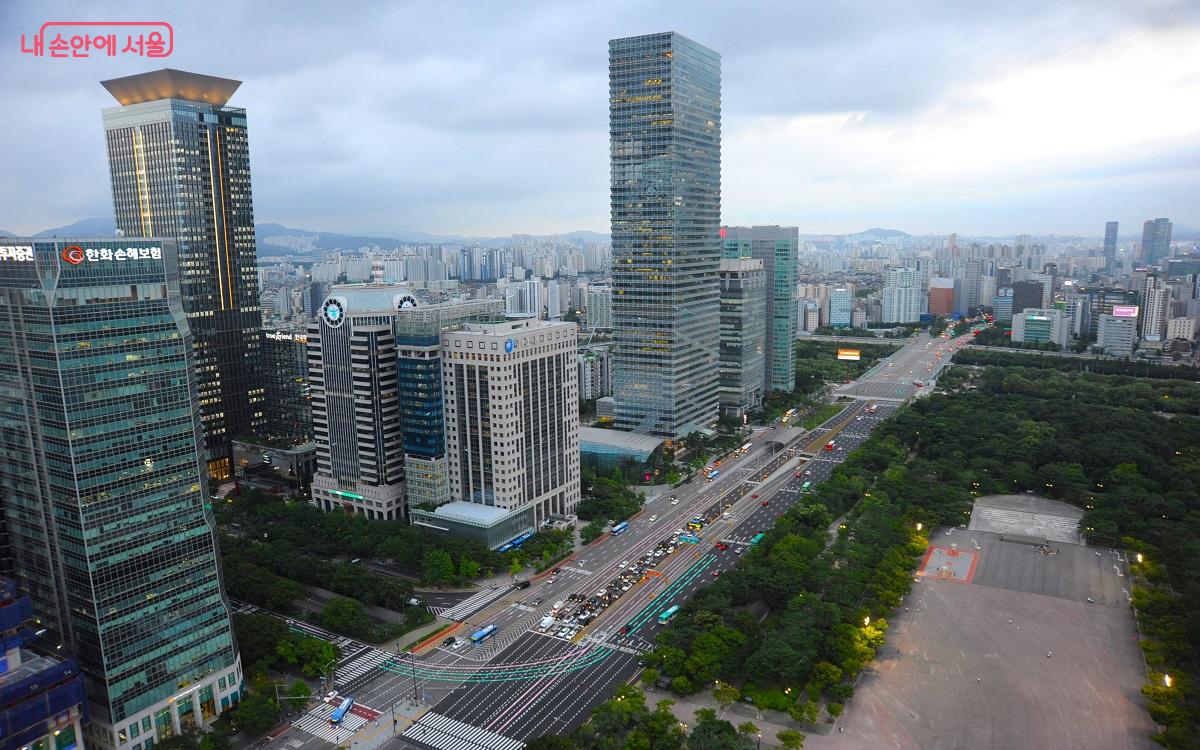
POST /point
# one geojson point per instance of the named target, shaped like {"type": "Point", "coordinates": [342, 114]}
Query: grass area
{"type": "Point", "coordinates": [818, 417]}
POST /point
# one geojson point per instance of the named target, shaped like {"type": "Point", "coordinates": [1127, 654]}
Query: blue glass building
{"type": "Point", "coordinates": [102, 471]}
{"type": "Point", "coordinates": [665, 150]}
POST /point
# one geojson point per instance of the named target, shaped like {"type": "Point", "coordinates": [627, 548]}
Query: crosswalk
{"type": "Point", "coordinates": [353, 673]}
{"type": "Point", "coordinates": [316, 723]}
{"type": "Point", "coordinates": [443, 733]}
{"type": "Point", "coordinates": [470, 605]}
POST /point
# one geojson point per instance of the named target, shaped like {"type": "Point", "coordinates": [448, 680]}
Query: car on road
{"type": "Point", "coordinates": [674, 501]}
{"type": "Point", "coordinates": [653, 519]}
{"type": "Point", "coordinates": [798, 474]}
{"type": "Point", "coordinates": [722, 546]}
{"type": "Point", "coordinates": [448, 641]}
{"type": "Point", "coordinates": [458, 643]}
{"type": "Point", "coordinates": [716, 574]}
{"type": "Point", "coordinates": [765, 503]}
{"type": "Point", "coordinates": [623, 564]}
{"type": "Point", "coordinates": [755, 497]}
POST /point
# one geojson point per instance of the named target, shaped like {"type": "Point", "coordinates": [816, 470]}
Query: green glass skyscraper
{"type": "Point", "coordinates": [777, 247]}
{"type": "Point", "coordinates": [665, 143]}
{"type": "Point", "coordinates": [103, 481]}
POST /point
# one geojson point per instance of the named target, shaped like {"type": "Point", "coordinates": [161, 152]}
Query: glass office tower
{"type": "Point", "coordinates": [778, 248]}
{"type": "Point", "coordinates": [665, 142]}
{"type": "Point", "coordinates": [103, 483]}
{"type": "Point", "coordinates": [180, 166]}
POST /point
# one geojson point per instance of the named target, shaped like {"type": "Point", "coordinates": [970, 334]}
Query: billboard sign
{"type": "Point", "coordinates": [849, 354]}
{"type": "Point", "coordinates": [1125, 311]}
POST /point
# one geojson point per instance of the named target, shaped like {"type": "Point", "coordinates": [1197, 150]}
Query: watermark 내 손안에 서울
{"type": "Point", "coordinates": [84, 39]}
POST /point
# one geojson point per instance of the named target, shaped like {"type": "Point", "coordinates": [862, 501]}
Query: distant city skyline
{"type": "Point", "coordinates": [988, 121]}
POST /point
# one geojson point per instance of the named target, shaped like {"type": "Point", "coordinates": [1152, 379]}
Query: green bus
{"type": "Point", "coordinates": [668, 615]}
{"type": "Point", "coordinates": [757, 538]}
{"type": "Point", "coordinates": [806, 487]}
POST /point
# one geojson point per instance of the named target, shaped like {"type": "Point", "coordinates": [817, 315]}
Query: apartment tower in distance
{"type": "Point", "coordinates": [1110, 243]}
{"type": "Point", "coordinates": [1156, 241]}
{"type": "Point", "coordinates": [104, 484]}
{"type": "Point", "coordinates": [665, 149]}
{"type": "Point", "coordinates": [180, 166]}
{"type": "Point", "coordinates": [778, 249]}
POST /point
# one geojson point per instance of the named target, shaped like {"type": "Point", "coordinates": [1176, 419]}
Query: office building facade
{"type": "Point", "coordinates": [180, 165]}
{"type": "Point", "coordinates": [1116, 335]}
{"type": "Point", "coordinates": [1002, 305]}
{"type": "Point", "coordinates": [778, 249]}
{"type": "Point", "coordinates": [287, 412]}
{"type": "Point", "coordinates": [1039, 326]}
{"type": "Point", "coordinates": [104, 489]}
{"type": "Point", "coordinates": [418, 334]}
{"type": "Point", "coordinates": [1110, 243]}
{"type": "Point", "coordinates": [841, 303]}
{"type": "Point", "coordinates": [943, 296]}
{"type": "Point", "coordinates": [1156, 241]}
{"type": "Point", "coordinates": [352, 370]}
{"type": "Point", "coordinates": [744, 324]}
{"type": "Point", "coordinates": [665, 143]}
{"type": "Point", "coordinates": [599, 308]}
{"type": "Point", "coordinates": [512, 417]}
{"type": "Point", "coordinates": [1026, 294]}
{"type": "Point", "coordinates": [903, 295]}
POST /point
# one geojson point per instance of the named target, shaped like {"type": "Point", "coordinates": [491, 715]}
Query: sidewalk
{"type": "Point", "coordinates": [769, 723]}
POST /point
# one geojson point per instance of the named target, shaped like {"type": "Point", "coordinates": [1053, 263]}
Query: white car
{"type": "Point", "coordinates": [459, 643]}
{"type": "Point", "coordinates": [623, 564]}
{"type": "Point", "coordinates": [674, 501]}
{"type": "Point", "coordinates": [653, 519]}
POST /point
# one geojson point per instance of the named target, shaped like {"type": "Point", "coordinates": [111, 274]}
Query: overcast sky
{"type": "Point", "coordinates": [1022, 116]}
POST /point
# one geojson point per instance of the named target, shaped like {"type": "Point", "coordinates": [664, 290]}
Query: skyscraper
{"type": "Point", "coordinates": [352, 368]}
{"type": "Point", "coordinates": [1110, 243]}
{"type": "Point", "coordinates": [665, 142]}
{"type": "Point", "coordinates": [943, 296]}
{"type": "Point", "coordinates": [180, 166]}
{"type": "Point", "coordinates": [1156, 241]}
{"type": "Point", "coordinates": [104, 493]}
{"type": "Point", "coordinates": [841, 303]}
{"type": "Point", "coordinates": [743, 335]}
{"type": "Point", "coordinates": [778, 248]}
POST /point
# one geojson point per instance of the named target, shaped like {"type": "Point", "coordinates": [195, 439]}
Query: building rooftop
{"type": "Point", "coordinates": [459, 510]}
{"type": "Point", "coordinates": [630, 441]}
{"type": "Point", "coordinates": [169, 83]}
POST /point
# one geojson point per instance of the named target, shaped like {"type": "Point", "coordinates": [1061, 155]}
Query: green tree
{"type": "Point", "coordinates": [343, 615]}
{"type": "Point", "coordinates": [468, 569]}
{"type": "Point", "coordinates": [437, 567]}
{"type": "Point", "coordinates": [650, 675]}
{"type": "Point", "coordinates": [748, 727]}
{"type": "Point", "coordinates": [790, 739]}
{"type": "Point", "coordinates": [298, 691]}
{"type": "Point", "coordinates": [515, 567]}
{"type": "Point", "coordinates": [550, 742]}
{"type": "Point", "coordinates": [725, 694]}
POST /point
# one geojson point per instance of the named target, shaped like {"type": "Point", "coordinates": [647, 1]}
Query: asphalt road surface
{"type": "Point", "coordinates": [521, 683]}
{"type": "Point", "coordinates": [896, 377]}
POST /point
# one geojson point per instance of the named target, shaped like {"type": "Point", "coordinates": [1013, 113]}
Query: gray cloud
{"type": "Point", "coordinates": [481, 117]}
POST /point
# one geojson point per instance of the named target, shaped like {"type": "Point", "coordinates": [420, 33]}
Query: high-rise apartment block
{"type": "Point", "coordinates": [1156, 241]}
{"type": "Point", "coordinates": [599, 308]}
{"type": "Point", "coordinates": [744, 327]}
{"type": "Point", "coordinates": [352, 369]}
{"type": "Point", "coordinates": [512, 427]}
{"type": "Point", "coordinates": [665, 144]}
{"type": "Point", "coordinates": [778, 249]}
{"type": "Point", "coordinates": [1156, 301]}
{"type": "Point", "coordinates": [104, 489]}
{"type": "Point", "coordinates": [903, 295]}
{"type": "Point", "coordinates": [180, 165]}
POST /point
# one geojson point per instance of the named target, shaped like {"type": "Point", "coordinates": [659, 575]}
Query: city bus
{"type": "Point", "coordinates": [746, 448]}
{"type": "Point", "coordinates": [714, 474]}
{"type": "Point", "coordinates": [479, 636]}
{"type": "Point", "coordinates": [668, 615]}
{"type": "Point", "coordinates": [757, 538]}
{"type": "Point", "coordinates": [806, 487]}
{"type": "Point", "coordinates": [340, 712]}
{"type": "Point", "coordinates": [619, 529]}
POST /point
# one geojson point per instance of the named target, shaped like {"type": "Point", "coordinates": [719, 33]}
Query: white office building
{"type": "Point", "coordinates": [1117, 335]}
{"type": "Point", "coordinates": [1036, 326]}
{"type": "Point", "coordinates": [512, 423]}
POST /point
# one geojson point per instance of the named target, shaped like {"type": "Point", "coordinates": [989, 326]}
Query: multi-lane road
{"type": "Point", "coordinates": [906, 373]}
{"type": "Point", "coordinates": [522, 683]}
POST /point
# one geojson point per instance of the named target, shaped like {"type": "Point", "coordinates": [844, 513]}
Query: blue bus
{"type": "Point", "coordinates": [479, 636]}
{"type": "Point", "coordinates": [515, 543]}
{"type": "Point", "coordinates": [340, 712]}
{"type": "Point", "coordinates": [668, 615]}
{"type": "Point", "coordinates": [757, 538]}
{"type": "Point", "coordinates": [714, 473]}
{"type": "Point", "coordinates": [620, 528]}
{"type": "Point", "coordinates": [688, 539]}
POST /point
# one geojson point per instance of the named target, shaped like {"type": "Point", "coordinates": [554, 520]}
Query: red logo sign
{"type": "Point", "coordinates": [73, 254]}
{"type": "Point", "coordinates": [721, 232]}
{"type": "Point", "coordinates": [102, 38]}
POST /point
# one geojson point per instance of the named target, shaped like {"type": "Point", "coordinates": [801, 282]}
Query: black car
{"type": "Point", "coordinates": [448, 641]}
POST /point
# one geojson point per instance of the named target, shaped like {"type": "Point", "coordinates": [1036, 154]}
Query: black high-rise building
{"type": "Point", "coordinates": [180, 165]}
{"type": "Point", "coordinates": [1110, 243]}
{"type": "Point", "coordinates": [1026, 294]}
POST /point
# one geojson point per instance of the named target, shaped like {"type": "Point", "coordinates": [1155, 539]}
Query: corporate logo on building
{"type": "Point", "coordinates": [509, 345]}
{"type": "Point", "coordinates": [74, 254]}
{"type": "Point", "coordinates": [333, 312]}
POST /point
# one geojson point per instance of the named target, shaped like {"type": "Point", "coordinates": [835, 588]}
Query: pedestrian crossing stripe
{"type": "Point", "coordinates": [349, 675]}
{"type": "Point", "coordinates": [316, 723]}
{"type": "Point", "coordinates": [471, 604]}
{"type": "Point", "coordinates": [443, 733]}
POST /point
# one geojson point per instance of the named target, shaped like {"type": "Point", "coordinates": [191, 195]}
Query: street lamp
{"type": "Point", "coordinates": [920, 525]}
{"type": "Point", "coordinates": [1167, 680]}
{"type": "Point", "coordinates": [1139, 558]}
{"type": "Point", "coordinates": [760, 740]}
{"type": "Point", "coordinates": [866, 621]}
